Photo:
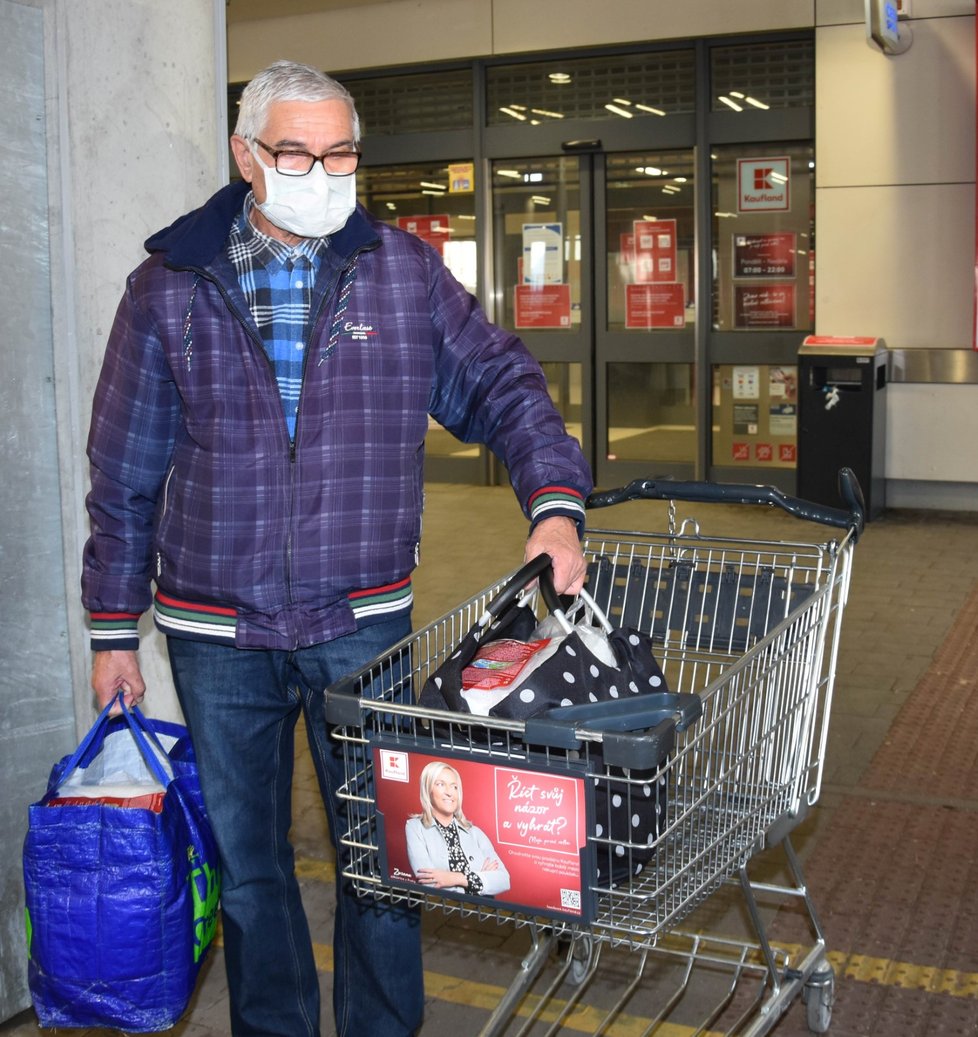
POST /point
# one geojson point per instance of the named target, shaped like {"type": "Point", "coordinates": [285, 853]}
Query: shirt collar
{"type": "Point", "coordinates": [268, 250]}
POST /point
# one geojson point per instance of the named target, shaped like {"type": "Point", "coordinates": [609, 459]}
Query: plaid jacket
{"type": "Point", "coordinates": [259, 541]}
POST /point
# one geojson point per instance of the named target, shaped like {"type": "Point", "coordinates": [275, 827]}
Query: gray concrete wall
{"type": "Point", "coordinates": [114, 124]}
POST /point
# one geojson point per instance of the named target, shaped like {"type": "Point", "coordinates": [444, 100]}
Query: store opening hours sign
{"type": "Point", "coordinates": [763, 185]}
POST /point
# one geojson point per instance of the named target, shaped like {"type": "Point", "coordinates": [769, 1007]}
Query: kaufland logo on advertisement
{"type": "Point", "coordinates": [763, 185]}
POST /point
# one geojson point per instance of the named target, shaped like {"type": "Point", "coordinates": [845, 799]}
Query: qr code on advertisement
{"type": "Point", "coordinates": [570, 899]}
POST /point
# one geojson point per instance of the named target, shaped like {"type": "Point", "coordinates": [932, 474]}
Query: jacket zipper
{"type": "Point", "coordinates": [292, 450]}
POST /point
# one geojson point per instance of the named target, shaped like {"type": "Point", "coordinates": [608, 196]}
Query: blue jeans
{"type": "Point", "coordinates": [241, 708]}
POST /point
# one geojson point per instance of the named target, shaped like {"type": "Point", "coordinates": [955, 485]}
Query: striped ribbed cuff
{"type": "Point", "coordinates": [551, 501]}
{"type": "Point", "coordinates": [114, 631]}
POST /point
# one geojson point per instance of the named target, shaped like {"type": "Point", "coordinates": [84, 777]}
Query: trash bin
{"type": "Point", "coordinates": [842, 417]}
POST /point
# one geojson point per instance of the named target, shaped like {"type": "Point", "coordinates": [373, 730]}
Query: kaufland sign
{"type": "Point", "coordinates": [763, 185]}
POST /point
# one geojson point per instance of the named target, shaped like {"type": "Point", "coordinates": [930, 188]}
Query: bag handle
{"type": "Point", "coordinates": [96, 736]}
{"type": "Point", "coordinates": [541, 568]}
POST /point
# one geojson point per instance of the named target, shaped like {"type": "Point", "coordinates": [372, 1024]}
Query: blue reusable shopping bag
{"type": "Point", "coordinates": [122, 879]}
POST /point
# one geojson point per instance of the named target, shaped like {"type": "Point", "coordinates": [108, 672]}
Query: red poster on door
{"type": "Point", "coordinates": [653, 251]}
{"type": "Point", "coordinates": [764, 306]}
{"type": "Point", "coordinates": [542, 306]}
{"type": "Point", "coordinates": [655, 306]}
{"type": "Point", "coordinates": [436, 230]}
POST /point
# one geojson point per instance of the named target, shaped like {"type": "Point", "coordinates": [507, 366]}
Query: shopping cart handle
{"type": "Point", "coordinates": [636, 732]}
{"type": "Point", "coordinates": [852, 518]}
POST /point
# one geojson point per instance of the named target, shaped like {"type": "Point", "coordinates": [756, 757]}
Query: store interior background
{"type": "Point", "coordinates": [119, 123]}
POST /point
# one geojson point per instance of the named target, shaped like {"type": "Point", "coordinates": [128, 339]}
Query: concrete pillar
{"type": "Point", "coordinates": [116, 125]}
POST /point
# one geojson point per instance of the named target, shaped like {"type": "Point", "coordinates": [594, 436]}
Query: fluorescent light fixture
{"type": "Point", "coordinates": [559, 77]}
{"type": "Point", "coordinates": [391, 206]}
{"type": "Point", "coordinates": [757, 104]}
{"type": "Point", "coordinates": [725, 215]}
{"type": "Point", "coordinates": [533, 178]}
{"type": "Point", "coordinates": [436, 187]}
{"type": "Point", "coordinates": [436, 194]}
{"type": "Point", "coordinates": [729, 103]}
{"type": "Point", "coordinates": [513, 174]}
{"type": "Point", "coordinates": [779, 178]}
{"type": "Point", "coordinates": [513, 113]}
{"type": "Point", "coordinates": [737, 94]}
{"type": "Point", "coordinates": [649, 170]}
{"type": "Point", "coordinates": [539, 199]}
{"type": "Point", "coordinates": [650, 109]}
{"type": "Point", "coordinates": [623, 112]}
{"type": "Point", "coordinates": [622, 100]}
{"type": "Point", "coordinates": [550, 115]}
{"type": "Point", "coordinates": [679, 179]}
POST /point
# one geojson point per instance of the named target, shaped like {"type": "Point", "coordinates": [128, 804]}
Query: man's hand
{"type": "Point", "coordinates": [113, 672]}
{"type": "Point", "coordinates": [558, 538]}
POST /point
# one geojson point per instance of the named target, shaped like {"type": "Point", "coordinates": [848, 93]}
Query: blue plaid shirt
{"type": "Point", "coordinates": [277, 281]}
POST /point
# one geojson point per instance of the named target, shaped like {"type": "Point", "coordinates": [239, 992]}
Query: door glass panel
{"type": "Point", "coordinates": [536, 212]}
{"type": "Point", "coordinates": [427, 200]}
{"type": "Point", "coordinates": [755, 415]}
{"type": "Point", "coordinates": [764, 237]}
{"type": "Point", "coordinates": [566, 390]}
{"type": "Point", "coordinates": [435, 201]}
{"type": "Point", "coordinates": [650, 241]}
{"type": "Point", "coordinates": [651, 412]}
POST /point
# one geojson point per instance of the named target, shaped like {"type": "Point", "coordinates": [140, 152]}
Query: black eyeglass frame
{"type": "Point", "coordinates": [275, 152]}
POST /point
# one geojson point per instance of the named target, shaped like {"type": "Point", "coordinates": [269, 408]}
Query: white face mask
{"type": "Point", "coordinates": [312, 206]}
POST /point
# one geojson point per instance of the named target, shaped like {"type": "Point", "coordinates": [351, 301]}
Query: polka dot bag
{"type": "Point", "coordinates": [512, 665]}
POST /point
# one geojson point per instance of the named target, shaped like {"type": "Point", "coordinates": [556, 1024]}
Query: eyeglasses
{"type": "Point", "coordinates": [299, 163]}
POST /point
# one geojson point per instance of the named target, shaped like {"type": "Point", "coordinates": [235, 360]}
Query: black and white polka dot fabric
{"type": "Point", "coordinates": [574, 674]}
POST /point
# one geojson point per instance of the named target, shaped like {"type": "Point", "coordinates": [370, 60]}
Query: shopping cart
{"type": "Point", "coordinates": [750, 631]}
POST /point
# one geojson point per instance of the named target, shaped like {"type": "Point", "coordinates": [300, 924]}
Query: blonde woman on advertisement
{"type": "Point", "coordinates": [445, 849]}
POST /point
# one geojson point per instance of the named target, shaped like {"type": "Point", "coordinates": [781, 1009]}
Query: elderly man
{"type": "Point", "coordinates": [256, 454]}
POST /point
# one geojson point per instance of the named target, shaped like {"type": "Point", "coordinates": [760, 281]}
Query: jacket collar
{"type": "Point", "coordinates": [197, 238]}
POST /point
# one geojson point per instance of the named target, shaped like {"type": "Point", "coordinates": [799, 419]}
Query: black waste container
{"type": "Point", "coordinates": [842, 417]}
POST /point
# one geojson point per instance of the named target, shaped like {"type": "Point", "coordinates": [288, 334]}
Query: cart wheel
{"type": "Point", "coordinates": [819, 997]}
{"type": "Point", "coordinates": [582, 954]}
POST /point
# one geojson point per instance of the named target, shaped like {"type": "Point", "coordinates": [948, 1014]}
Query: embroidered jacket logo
{"type": "Point", "coordinates": [357, 331]}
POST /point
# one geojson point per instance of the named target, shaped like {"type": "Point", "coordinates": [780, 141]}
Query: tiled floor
{"type": "Point", "coordinates": [891, 848]}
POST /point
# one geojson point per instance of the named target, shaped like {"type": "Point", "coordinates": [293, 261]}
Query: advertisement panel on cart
{"type": "Point", "coordinates": [522, 830]}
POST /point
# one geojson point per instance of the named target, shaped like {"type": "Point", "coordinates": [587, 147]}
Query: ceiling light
{"type": "Point", "coordinates": [622, 100]}
{"type": "Point", "coordinates": [543, 111]}
{"type": "Point", "coordinates": [679, 179]}
{"type": "Point", "coordinates": [436, 187]}
{"type": "Point", "coordinates": [730, 104]}
{"type": "Point", "coordinates": [539, 199]}
{"type": "Point", "coordinates": [624, 113]}
{"type": "Point", "coordinates": [756, 103]}
{"type": "Point", "coordinates": [559, 77]}
{"type": "Point", "coordinates": [649, 108]}
{"type": "Point", "coordinates": [514, 174]}
{"type": "Point", "coordinates": [737, 94]}
{"type": "Point", "coordinates": [513, 113]}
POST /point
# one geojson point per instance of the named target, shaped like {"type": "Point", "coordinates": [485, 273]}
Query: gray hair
{"type": "Point", "coordinates": [288, 81]}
